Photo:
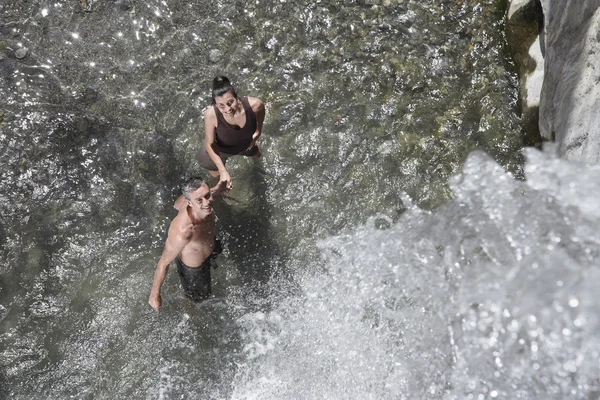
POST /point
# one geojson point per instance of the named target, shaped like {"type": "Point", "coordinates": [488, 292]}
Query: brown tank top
{"type": "Point", "coordinates": [231, 140]}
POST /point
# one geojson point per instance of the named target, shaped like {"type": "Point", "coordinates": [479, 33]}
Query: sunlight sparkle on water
{"type": "Point", "coordinates": [573, 303]}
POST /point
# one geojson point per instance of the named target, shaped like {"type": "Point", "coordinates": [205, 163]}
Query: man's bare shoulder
{"type": "Point", "coordinates": [181, 226]}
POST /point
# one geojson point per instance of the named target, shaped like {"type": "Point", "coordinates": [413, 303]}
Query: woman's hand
{"type": "Point", "coordinates": [225, 179]}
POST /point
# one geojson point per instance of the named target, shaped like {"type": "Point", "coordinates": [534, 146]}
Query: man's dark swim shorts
{"type": "Point", "coordinates": [196, 281]}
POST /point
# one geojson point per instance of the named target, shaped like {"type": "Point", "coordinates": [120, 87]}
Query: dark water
{"type": "Point", "coordinates": [368, 106]}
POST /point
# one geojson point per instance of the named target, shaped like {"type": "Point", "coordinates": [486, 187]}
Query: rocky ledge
{"type": "Point", "coordinates": [556, 46]}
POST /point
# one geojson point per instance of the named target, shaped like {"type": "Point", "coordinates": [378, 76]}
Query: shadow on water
{"type": "Point", "coordinates": [3, 385]}
{"type": "Point", "coordinates": [244, 226]}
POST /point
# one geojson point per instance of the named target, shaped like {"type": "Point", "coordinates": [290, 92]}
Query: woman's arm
{"type": "Point", "coordinates": [210, 124]}
{"type": "Point", "coordinates": [259, 110]}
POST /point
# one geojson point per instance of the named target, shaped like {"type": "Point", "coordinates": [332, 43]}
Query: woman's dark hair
{"type": "Point", "coordinates": [220, 86]}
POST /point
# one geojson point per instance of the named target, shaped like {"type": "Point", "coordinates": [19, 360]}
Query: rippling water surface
{"type": "Point", "coordinates": [337, 281]}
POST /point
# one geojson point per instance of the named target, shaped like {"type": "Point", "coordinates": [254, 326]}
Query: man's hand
{"type": "Point", "coordinates": [218, 189]}
{"type": "Point", "coordinates": [155, 302]}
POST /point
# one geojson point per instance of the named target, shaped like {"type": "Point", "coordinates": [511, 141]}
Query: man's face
{"type": "Point", "coordinates": [201, 200]}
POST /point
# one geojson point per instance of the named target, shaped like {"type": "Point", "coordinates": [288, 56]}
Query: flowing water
{"type": "Point", "coordinates": [361, 259]}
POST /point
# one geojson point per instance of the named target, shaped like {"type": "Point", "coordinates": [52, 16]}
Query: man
{"type": "Point", "coordinates": [190, 242]}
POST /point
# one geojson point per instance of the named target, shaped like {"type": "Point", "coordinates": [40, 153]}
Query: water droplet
{"type": "Point", "coordinates": [573, 303]}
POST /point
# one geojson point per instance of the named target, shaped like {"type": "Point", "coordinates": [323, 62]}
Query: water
{"type": "Point", "coordinates": [352, 267]}
{"type": "Point", "coordinates": [490, 296]}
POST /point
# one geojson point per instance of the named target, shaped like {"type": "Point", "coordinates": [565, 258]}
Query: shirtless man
{"type": "Point", "coordinates": [190, 242]}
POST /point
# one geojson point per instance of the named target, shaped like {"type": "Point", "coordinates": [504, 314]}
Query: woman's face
{"type": "Point", "coordinates": [227, 103]}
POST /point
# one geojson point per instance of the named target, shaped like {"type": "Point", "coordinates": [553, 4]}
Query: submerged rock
{"type": "Point", "coordinates": [215, 55]}
{"type": "Point", "coordinates": [21, 53]}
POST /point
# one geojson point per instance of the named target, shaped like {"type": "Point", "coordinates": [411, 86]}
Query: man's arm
{"type": "Point", "coordinates": [180, 203]}
{"type": "Point", "coordinates": [176, 241]}
{"type": "Point", "coordinates": [259, 110]}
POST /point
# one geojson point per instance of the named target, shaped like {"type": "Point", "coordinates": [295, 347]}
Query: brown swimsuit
{"type": "Point", "coordinates": [231, 141]}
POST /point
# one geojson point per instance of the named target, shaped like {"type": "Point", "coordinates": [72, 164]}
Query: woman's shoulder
{"type": "Point", "coordinates": [209, 114]}
{"type": "Point", "coordinates": [209, 111]}
{"type": "Point", "coordinates": [256, 104]}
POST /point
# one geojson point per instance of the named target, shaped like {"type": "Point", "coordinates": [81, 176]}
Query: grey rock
{"type": "Point", "coordinates": [215, 55]}
{"type": "Point", "coordinates": [523, 38]}
{"type": "Point", "coordinates": [570, 99]}
{"type": "Point", "coordinates": [83, 125]}
{"type": "Point", "coordinates": [124, 5]}
{"type": "Point", "coordinates": [386, 148]}
{"type": "Point", "coordinates": [21, 53]}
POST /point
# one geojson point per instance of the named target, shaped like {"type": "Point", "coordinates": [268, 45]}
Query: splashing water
{"type": "Point", "coordinates": [101, 121]}
{"type": "Point", "coordinates": [490, 296]}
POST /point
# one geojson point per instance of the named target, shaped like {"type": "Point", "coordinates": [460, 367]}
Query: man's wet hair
{"type": "Point", "coordinates": [220, 86]}
{"type": "Point", "coordinates": [191, 184]}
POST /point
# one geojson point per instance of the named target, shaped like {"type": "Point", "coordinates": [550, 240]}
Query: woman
{"type": "Point", "coordinates": [232, 126]}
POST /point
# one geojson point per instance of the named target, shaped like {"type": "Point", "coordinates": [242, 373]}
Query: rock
{"type": "Point", "coordinates": [21, 53]}
{"type": "Point", "coordinates": [523, 28]}
{"type": "Point", "coordinates": [124, 5]}
{"type": "Point", "coordinates": [215, 55]}
{"type": "Point", "coordinates": [570, 99]}
{"type": "Point", "coordinates": [83, 125]}
{"type": "Point", "coordinates": [386, 148]}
